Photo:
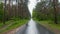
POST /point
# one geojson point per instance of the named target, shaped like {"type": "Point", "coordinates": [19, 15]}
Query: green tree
{"type": "Point", "coordinates": [1, 11]}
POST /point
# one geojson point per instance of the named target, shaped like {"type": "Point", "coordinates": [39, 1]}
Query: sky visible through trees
{"type": "Point", "coordinates": [31, 4]}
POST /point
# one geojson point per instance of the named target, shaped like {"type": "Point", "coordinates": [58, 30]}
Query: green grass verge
{"type": "Point", "coordinates": [50, 24]}
{"type": "Point", "coordinates": [17, 23]}
{"type": "Point", "coordinates": [6, 23]}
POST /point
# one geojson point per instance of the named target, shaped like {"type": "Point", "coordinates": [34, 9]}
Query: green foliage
{"type": "Point", "coordinates": [1, 11]}
{"type": "Point", "coordinates": [14, 24]}
{"type": "Point", "coordinates": [44, 12]}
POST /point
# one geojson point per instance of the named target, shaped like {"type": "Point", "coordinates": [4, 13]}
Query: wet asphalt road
{"type": "Point", "coordinates": [34, 28]}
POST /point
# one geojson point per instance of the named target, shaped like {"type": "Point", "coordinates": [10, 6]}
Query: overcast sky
{"type": "Point", "coordinates": [32, 5]}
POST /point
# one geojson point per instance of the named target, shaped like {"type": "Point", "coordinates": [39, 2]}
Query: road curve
{"type": "Point", "coordinates": [34, 28]}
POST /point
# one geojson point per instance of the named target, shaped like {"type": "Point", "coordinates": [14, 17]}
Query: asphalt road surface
{"type": "Point", "coordinates": [34, 28]}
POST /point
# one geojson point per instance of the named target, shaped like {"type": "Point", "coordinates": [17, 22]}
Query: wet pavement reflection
{"type": "Point", "coordinates": [34, 28]}
{"type": "Point", "coordinates": [31, 29]}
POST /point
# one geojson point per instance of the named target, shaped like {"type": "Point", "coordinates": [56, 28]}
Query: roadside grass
{"type": "Point", "coordinates": [50, 24]}
{"type": "Point", "coordinates": [6, 23]}
{"type": "Point", "coordinates": [17, 23]}
{"type": "Point", "coordinates": [1, 24]}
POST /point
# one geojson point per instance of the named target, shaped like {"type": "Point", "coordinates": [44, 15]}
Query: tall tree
{"type": "Point", "coordinates": [55, 2]}
{"type": "Point", "coordinates": [4, 14]}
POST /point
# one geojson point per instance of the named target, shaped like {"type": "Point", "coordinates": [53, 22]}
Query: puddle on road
{"type": "Point", "coordinates": [31, 29]}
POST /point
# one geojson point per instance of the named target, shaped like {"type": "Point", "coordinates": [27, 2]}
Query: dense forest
{"type": "Point", "coordinates": [47, 10]}
{"type": "Point", "coordinates": [9, 11]}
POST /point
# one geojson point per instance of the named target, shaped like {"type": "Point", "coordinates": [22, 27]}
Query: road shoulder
{"type": "Point", "coordinates": [13, 31]}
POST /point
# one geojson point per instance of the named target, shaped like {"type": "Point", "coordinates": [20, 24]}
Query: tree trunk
{"type": "Point", "coordinates": [4, 14]}
{"type": "Point", "coordinates": [55, 2]}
